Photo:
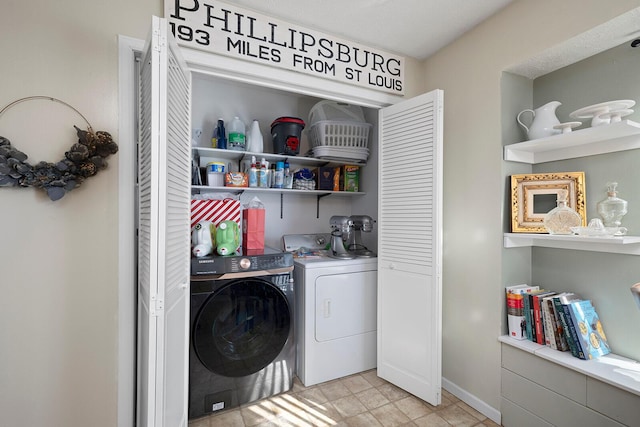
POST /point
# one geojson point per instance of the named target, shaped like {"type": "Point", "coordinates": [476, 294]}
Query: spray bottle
{"type": "Point", "coordinates": [253, 173]}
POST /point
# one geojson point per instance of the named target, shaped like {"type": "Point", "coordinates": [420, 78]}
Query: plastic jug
{"type": "Point", "coordinates": [227, 237]}
{"type": "Point", "coordinates": [255, 142]}
{"type": "Point", "coordinates": [237, 135]}
{"type": "Point", "coordinates": [202, 238]}
{"type": "Point", "coordinates": [542, 122]}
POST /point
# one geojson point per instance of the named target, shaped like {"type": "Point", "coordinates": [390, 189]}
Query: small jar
{"type": "Point", "coordinates": [560, 219]}
{"type": "Point", "coordinates": [613, 208]}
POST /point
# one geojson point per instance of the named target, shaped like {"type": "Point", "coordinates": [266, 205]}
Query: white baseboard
{"type": "Point", "coordinates": [492, 413]}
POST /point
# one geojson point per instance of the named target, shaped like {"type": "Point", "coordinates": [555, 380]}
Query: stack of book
{"type": "Point", "coordinates": [563, 321]}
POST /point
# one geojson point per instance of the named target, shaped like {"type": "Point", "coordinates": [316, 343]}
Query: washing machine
{"type": "Point", "coordinates": [336, 306]}
{"type": "Point", "coordinates": [242, 344]}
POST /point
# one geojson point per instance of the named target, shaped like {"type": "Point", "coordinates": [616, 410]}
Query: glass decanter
{"type": "Point", "coordinates": [560, 219]}
{"type": "Point", "coordinates": [613, 208]}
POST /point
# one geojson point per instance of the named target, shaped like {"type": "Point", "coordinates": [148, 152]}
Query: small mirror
{"type": "Point", "coordinates": [543, 203]}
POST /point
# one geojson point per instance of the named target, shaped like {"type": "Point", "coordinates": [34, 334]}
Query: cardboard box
{"type": "Point", "coordinates": [253, 221]}
{"type": "Point", "coordinates": [324, 178]}
{"type": "Point", "coordinates": [350, 178]}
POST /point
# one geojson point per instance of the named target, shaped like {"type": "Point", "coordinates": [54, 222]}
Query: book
{"type": "Point", "coordinates": [559, 302]}
{"type": "Point", "coordinates": [590, 332]}
{"type": "Point", "coordinates": [530, 315]}
{"type": "Point", "coordinates": [550, 327]}
{"type": "Point", "coordinates": [537, 315]}
{"type": "Point", "coordinates": [515, 309]}
{"type": "Point", "coordinates": [561, 340]}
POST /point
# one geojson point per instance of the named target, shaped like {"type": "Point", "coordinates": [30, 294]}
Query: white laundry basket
{"type": "Point", "coordinates": [337, 124]}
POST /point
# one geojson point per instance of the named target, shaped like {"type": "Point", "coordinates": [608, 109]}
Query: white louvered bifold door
{"type": "Point", "coordinates": [164, 179]}
{"type": "Point", "coordinates": [410, 245]}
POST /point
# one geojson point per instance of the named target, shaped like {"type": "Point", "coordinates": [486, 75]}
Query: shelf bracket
{"type": "Point", "coordinates": [281, 205]}
{"type": "Point", "coordinates": [320, 196]}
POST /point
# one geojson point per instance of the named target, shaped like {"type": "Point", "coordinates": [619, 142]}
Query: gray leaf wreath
{"type": "Point", "coordinates": [83, 160]}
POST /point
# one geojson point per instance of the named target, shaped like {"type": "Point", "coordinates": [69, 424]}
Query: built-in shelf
{"type": "Point", "coordinates": [621, 136]}
{"type": "Point", "coordinates": [611, 369]}
{"type": "Point", "coordinates": [629, 245]}
{"type": "Point", "coordinates": [238, 190]}
{"type": "Point", "coordinates": [216, 154]}
{"type": "Point", "coordinates": [207, 155]}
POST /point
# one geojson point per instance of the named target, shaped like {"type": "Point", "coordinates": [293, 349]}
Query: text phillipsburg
{"type": "Point", "coordinates": [262, 39]}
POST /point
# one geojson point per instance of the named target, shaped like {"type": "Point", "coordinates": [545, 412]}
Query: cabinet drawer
{"type": "Point", "coordinates": [613, 402]}
{"type": "Point", "coordinates": [566, 382]}
{"type": "Point", "coordinates": [548, 405]}
{"type": "Point", "coordinates": [515, 416]}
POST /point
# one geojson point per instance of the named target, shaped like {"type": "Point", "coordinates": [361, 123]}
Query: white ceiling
{"type": "Point", "coordinates": [413, 28]}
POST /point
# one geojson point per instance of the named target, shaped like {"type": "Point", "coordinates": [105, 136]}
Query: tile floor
{"type": "Point", "coordinates": [357, 400]}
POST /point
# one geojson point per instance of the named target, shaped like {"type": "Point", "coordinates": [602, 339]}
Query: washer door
{"type": "Point", "coordinates": [242, 327]}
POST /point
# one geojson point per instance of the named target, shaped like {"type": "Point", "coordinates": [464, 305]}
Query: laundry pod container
{"type": "Point", "coordinates": [286, 133]}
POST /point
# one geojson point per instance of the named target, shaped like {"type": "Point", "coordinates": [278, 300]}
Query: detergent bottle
{"type": "Point", "coordinates": [202, 238]}
{"type": "Point", "coordinates": [227, 237]}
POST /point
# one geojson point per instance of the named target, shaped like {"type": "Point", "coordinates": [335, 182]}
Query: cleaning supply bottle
{"type": "Point", "coordinates": [278, 179]}
{"type": "Point", "coordinates": [253, 173]}
{"type": "Point", "coordinates": [288, 176]}
{"type": "Point", "coordinates": [220, 136]}
{"type": "Point", "coordinates": [214, 138]}
{"type": "Point", "coordinates": [237, 135]}
{"type": "Point", "coordinates": [263, 176]}
{"type": "Point", "coordinates": [255, 142]}
{"type": "Point", "coordinates": [272, 176]}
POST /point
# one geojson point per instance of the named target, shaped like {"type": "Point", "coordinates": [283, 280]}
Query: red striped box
{"type": "Point", "coordinates": [215, 211]}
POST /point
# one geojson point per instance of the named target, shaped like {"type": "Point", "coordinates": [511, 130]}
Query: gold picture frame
{"type": "Point", "coordinates": [533, 195]}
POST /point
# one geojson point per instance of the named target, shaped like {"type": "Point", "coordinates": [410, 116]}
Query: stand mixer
{"type": "Point", "coordinates": [346, 236]}
{"type": "Point", "coordinates": [360, 223]}
{"type": "Point", "coordinates": [340, 233]}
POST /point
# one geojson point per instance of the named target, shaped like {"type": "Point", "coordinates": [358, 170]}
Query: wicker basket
{"type": "Point", "coordinates": [340, 134]}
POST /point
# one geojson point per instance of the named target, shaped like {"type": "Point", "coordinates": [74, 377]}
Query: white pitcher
{"type": "Point", "coordinates": [542, 121]}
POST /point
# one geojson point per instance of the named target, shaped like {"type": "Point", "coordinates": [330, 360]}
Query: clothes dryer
{"type": "Point", "coordinates": [336, 306]}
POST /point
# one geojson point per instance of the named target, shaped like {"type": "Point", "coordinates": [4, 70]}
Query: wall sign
{"type": "Point", "coordinates": [222, 28]}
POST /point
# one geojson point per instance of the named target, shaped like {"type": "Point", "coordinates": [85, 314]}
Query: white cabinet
{"type": "Point", "coordinates": [621, 136]}
{"type": "Point", "coordinates": [545, 387]}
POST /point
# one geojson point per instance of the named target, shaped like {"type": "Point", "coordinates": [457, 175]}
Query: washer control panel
{"type": "Point", "coordinates": [258, 261]}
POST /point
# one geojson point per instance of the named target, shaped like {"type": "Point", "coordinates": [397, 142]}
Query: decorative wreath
{"type": "Point", "coordinates": [83, 160]}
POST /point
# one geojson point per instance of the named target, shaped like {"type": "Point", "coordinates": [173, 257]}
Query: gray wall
{"type": "Point", "coordinates": [604, 278]}
{"type": "Point", "coordinates": [476, 267]}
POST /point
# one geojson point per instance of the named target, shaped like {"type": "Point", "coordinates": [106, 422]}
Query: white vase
{"type": "Point", "coordinates": [256, 143]}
